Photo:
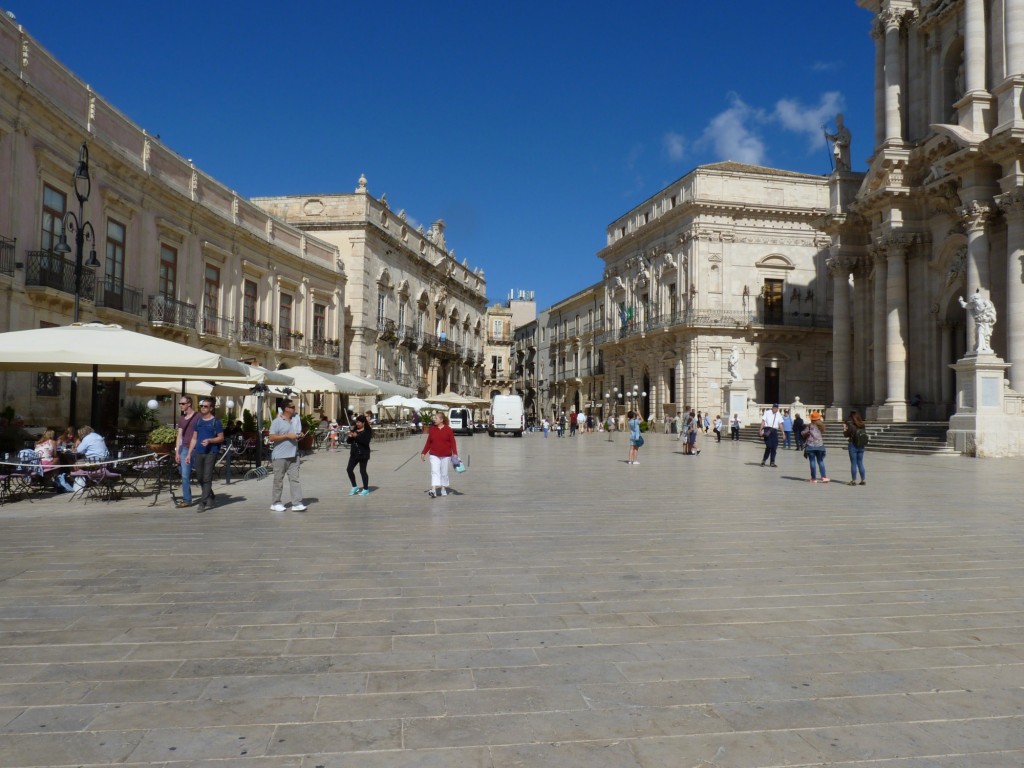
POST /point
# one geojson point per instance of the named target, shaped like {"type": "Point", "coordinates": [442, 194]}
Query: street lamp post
{"type": "Point", "coordinates": [83, 231]}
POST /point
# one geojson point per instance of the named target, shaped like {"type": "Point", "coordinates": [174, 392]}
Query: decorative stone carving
{"type": "Point", "coordinates": [958, 267]}
{"type": "Point", "coordinates": [975, 215]}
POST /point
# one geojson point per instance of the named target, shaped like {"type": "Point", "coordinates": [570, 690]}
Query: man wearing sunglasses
{"type": "Point", "coordinates": [206, 440]}
{"type": "Point", "coordinates": [285, 432]}
{"type": "Point", "coordinates": [183, 447]}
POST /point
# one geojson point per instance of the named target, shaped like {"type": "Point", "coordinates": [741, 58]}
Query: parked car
{"type": "Point", "coordinates": [460, 421]}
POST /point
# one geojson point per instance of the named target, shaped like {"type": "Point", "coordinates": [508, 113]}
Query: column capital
{"type": "Point", "coordinates": [839, 266]}
{"type": "Point", "coordinates": [891, 18]}
{"type": "Point", "coordinates": [975, 215]}
{"type": "Point", "coordinates": [1011, 203]}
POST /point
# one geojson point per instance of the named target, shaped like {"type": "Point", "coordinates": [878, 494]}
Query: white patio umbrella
{"type": "Point", "coordinates": [306, 379]}
{"type": "Point", "coordinates": [99, 348]}
{"type": "Point", "coordinates": [197, 388]}
{"type": "Point", "coordinates": [380, 387]}
{"type": "Point", "coordinates": [94, 347]}
{"type": "Point", "coordinates": [453, 399]}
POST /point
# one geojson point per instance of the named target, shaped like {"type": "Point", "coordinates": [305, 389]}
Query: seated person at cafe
{"type": "Point", "coordinates": [66, 442]}
{"type": "Point", "coordinates": [46, 447]}
{"type": "Point", "coordinates": [91, 445]}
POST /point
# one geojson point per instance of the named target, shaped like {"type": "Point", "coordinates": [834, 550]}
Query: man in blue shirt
{"type": "Point", "coordinates": [787, 428]}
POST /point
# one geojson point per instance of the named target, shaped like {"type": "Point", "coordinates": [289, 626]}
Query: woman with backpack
{"type": "Point", "coordinates": [857, 437]}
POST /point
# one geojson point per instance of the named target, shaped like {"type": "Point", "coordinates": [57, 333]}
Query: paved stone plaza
{"type": "Point", "coordinates": [561, 609]}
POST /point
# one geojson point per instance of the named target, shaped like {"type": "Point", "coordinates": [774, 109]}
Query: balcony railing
{"type": "Point", "coordinates": [406, 379]}
{"type": "Point", "coordinates": [407, 336]}
{"type": "Point", "coordinates": [215, 325]}
{"type": "Point", "coordinates": [46, 269]}
{"type": "Point", "coordinates": [323, 348]}
{"type": "Point", "coordinates": [287, 342]}
{"type": "Point", "coordinates": [382, 374]}
{"type": "Point", "coordinates": [387, 330]}
{"type": "Point", "coordinates": [168, 311]}
{"type": "Point", "coordinates": [7, 247]}
{"type": "Point", "coordinates": [716, 318]}
{"type": "Point", "coordinates": [114, 294]}
{"type": "Point", "coordinates": [250, 333]}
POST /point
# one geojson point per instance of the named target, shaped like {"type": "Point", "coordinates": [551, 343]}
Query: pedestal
{"type": "Point", "coordinates": [980, 426]}
{"type": "Point", "coordinates": [736, 400]}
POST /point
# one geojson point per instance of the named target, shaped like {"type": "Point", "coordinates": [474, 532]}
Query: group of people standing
{"type": "Point", "coordinates": [811, 439]}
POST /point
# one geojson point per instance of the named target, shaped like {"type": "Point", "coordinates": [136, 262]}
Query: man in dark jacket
{"type": "Point", "coordinates": [798, 431]}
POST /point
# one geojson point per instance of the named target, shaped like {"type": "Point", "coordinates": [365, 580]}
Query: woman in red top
{"type": "Point", "coordinates": [441, 447]}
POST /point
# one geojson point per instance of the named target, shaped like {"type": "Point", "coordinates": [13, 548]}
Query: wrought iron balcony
{"type": "Point", "coordinates": [256, 333]}
{"type": "Point", "coordinates": [407, 336]}
{"type": "Point", "coordinates": [215, 325]}
{"type": "Point", "coordinates": [7, 246]}
{"type": "Point", "coordinates": [46, 269]}
{"type": "Point", "coordinates": [382, 374]}
{"type": "Point", "coordinates": [324, 348]}
{"type": "Point", "coordinates": [289, 341]}
{"type": "Point", "coordinates": [406, 379]}
{"type": "Point", "coordinates": [167, 311]}
{"type": "Point", "coordinates": [112, 293]}
{"type": "Point", "coordinates": [387, 330]}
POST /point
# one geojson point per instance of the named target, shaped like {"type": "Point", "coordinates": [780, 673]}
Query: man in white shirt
{"type": "Point", "coordinates": [771, 423]}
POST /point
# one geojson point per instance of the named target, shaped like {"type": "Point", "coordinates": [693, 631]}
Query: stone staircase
{"type": "Point", "coordinates": [916, 437]}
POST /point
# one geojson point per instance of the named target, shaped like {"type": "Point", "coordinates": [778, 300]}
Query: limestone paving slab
{"type": "Point", "coordinates": [560, 608]}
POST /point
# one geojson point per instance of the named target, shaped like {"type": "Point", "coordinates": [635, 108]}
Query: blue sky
{"type": "Point", "coordinates": [528, 127]}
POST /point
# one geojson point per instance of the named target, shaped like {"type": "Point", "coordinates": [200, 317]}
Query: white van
{"type": "Point", "coordinates": [461, 422]}
{"type": "Point", "coordinates": [507, 415]}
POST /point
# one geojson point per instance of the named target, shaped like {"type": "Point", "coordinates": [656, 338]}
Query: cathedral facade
{"type": "Point", "coordinates": [938, 217]}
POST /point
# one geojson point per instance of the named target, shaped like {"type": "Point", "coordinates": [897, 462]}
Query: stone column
{"type": "Point", "coordinates": [975, 215]}
{"type": "Point", "coordinates": [946, 360]}
{"type": "Point", "coordinates": [974, 45]}
{"type": "Point", "coordinates": [1013, 32]}
{"type": "Point", "coordinates": [839, 267]}
{"type": "Point", "coordinates": [976, 102]}
{"type": "Point", "coordinates": [1010, 91]}
{"type": "Point", "coordinates": [878, 331]}
{"type": "Point", "coordinates": [935, 105]}
{"type": "Point", "coordinates": [878, 34]}
{"type": "Point", "coordinates": [891, 19]}
{"type": "Point", "coordinates": [895, 407]}
{"type": "Point", "coordinates": [861, 325]}
{"type": "Point", "coordinates": [1012, 205]}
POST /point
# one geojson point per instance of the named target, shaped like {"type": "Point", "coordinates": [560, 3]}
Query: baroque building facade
{"type": "Point", "coordinates": [727, 263]}
{"type": "Point", "coordinates": [181, 256]}
{"type": "Point", "coordinates": [939, 214]}
{"type": "Point", "coordinates": [414, 314]}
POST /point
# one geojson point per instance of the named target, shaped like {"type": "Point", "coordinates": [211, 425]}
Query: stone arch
{"type": "Point", "coordinates": [775, 261]}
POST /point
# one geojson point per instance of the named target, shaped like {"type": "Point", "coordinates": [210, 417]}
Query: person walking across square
{"type": "Point", "coordinates": [207, 435]}
{"type": "Point", "coordinates": [440, 446]}
{"type": "Point", "coordinates": [285, 431]}
{"type": "Point", "coordinates": [183, 449]}
{"type": "Point", "coordinates": [359, 444]}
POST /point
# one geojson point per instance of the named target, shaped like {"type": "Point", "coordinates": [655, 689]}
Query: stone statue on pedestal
{"type": "Point", "coordinates": [840, 144]}
{"type": "Point", "coordinates": [734, 365]}
{"type": "Point", "coordinates": [984, 313]}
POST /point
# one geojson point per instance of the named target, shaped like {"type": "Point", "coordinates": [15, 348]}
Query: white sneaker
{"type": "Point", "coordinates": [277, 507]}
{"type": "Point", "coordinates": [444, 491]}
{"type": "Point", "coordinates": [298, 507]}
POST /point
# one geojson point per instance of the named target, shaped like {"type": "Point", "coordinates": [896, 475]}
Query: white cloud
{"type": "Point", "coordinates": [732, 135]}
{"type": "Point", "coordinates": [675, 146]}
{"type": "Point", "coordinates": [794, 116]}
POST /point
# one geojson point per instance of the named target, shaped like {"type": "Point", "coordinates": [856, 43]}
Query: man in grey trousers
{"type": "Point", "coordinates": [285, 432]}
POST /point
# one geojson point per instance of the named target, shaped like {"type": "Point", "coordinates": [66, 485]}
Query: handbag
{"type": "Point", "coordinates": [640, 441]}
{"type": "Point", "coordinates": [457, 463]}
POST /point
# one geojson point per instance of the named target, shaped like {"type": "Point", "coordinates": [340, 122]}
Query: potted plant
{"type": "Point", "coordinates": [309, 424]}
{"type": "Point", "coordinates": [249, 429]}
{"type": "Point", "coordinates": [162, 439]}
